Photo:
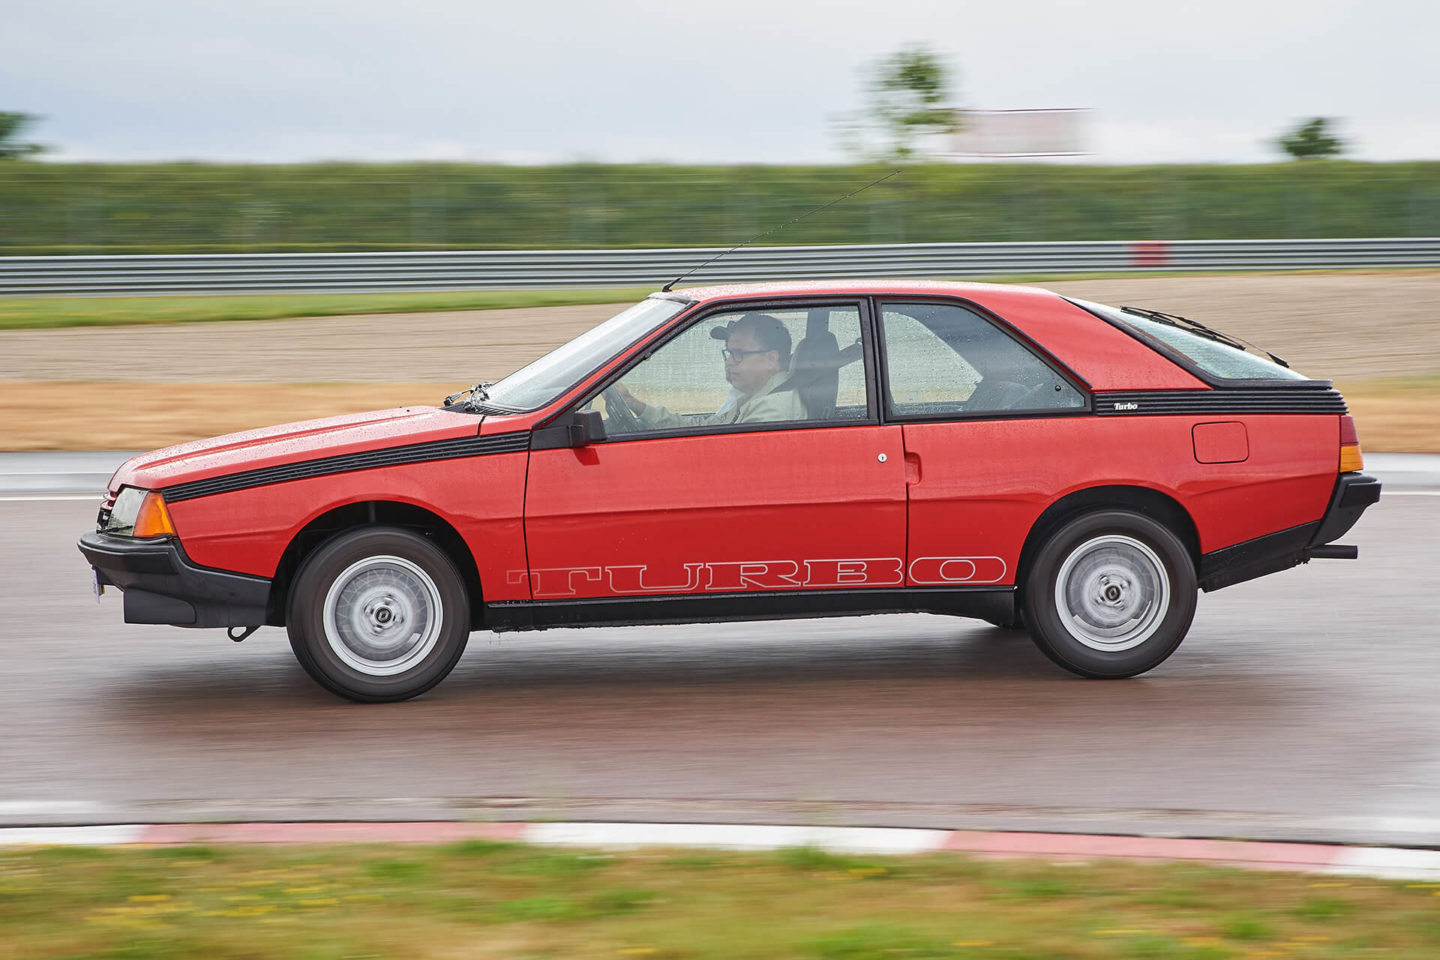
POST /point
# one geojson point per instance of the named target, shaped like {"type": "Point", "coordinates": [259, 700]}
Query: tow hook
{"type": "Point", "coordinates": [244, 632]}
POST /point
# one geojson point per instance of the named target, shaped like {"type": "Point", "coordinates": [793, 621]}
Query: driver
{"type": "Point", "coordinates": [757, 366]}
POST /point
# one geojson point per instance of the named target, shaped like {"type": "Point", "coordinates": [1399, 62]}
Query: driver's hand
{"type": "Point", "coordinates": [636, 406]}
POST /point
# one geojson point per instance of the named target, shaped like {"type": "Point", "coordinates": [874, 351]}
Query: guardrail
{"type": "Point", "coordinates": [480, 269]}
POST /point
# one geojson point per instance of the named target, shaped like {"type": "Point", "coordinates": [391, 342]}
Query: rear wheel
{"type": "Point", "coordinates": [378, 614]}
{"type": "Point", "coordinates": [1110, 594]}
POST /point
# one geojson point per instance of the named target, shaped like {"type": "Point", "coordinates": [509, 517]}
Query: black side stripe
{"type": "Point", "coordinates": [1141, 403]}
{"type": "Point", "coordinates": [349, 462]}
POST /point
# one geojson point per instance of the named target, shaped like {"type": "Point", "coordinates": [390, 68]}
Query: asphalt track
{"type": "Point", "coordinates": [1302, 707]}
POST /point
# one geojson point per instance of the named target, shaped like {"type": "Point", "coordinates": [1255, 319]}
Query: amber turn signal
{"type": "Point", "coordinates": [153, 519]}
{"type": "Point", "coordinates": [1350, 458]}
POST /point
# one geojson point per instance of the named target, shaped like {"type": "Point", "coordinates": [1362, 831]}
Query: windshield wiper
{"type": "Point", "coordinates": [1210, 333]}
{"type": "Point", "coordinates": [474, 397]}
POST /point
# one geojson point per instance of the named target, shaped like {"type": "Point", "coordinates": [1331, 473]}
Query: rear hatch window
{"type": "Point", "coordinates": [1215, 353]}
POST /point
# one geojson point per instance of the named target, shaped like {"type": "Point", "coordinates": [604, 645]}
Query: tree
{"type": "Point", "coordinates": [907, 94]}
{"type": "Point", "coordinates": [10, 126]}
{"type": "Point", "coordinates": [1312, 140]}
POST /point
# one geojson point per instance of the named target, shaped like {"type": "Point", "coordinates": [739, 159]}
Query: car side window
{"type": "Point", "coordinates": [746, 366]}
{"type": "Point", "coordinates": [946, 359]}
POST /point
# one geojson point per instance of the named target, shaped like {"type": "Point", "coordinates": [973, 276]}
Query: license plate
{"type": "Point", "coordinates": [96, 587]}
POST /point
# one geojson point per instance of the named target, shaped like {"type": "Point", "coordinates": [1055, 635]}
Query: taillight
{"type": "Point", "coordinates": [1350, 458]}
{"type": "Point", "coordinates": [153, 520]}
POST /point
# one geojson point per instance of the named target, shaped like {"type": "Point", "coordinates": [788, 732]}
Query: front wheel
{"type": "Point", "coordinates": [1110, 594]}
{"type": "Point", "coordinates": [378, 614]}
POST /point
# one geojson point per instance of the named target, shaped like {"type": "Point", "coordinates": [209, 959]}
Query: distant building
{"type": "Point", "coordinates": [1017, 133]}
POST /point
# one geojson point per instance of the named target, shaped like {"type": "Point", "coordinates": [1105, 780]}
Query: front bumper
{"type": "Point", "coordinates": [161, 585]}
{"type": "Point", "coordinates": [1288, 548]}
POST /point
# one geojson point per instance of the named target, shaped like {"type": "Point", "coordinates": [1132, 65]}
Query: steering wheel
{"type": "Point", "coordinates": [618, 415]}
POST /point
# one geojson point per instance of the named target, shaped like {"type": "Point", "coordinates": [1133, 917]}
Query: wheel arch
{"type": "Point", "coordinates": [367, 513]}
{"type": "Point", "coordinates": [1147, 501]}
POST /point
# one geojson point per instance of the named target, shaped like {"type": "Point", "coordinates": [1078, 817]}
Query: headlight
{"type": "Point", "coordinates": [139, 513]}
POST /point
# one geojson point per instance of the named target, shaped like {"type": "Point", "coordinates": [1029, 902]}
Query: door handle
{"type": "Point", "coordinates": [912, 468]}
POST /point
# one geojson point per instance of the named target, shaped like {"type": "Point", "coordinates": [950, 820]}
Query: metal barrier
{"type": "Point", "coordinates": [480, 269]}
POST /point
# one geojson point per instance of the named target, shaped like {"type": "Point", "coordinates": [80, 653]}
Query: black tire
{"type": "Point", "coordinates": [1128, 596]}
{"type": "Point", "coordinates": [399, 615]}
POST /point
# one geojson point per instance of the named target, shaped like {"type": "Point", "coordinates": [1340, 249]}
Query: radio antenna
{"type": "Point", "coordinates": [666, 288]}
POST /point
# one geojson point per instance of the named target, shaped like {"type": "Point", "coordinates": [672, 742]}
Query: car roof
{"type": "Point", "coordinates": [893, 286]}
{"type": "Point", "coordinates": [1102, 355]}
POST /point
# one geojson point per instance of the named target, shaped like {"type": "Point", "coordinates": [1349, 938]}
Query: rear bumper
{"type": "Point", "coordinates": [161, 585]}
{"type": "Point", "coordinates": [1353, 493]}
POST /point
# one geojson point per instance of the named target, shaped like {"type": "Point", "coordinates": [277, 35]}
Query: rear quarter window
{"type": "Point", "coordinates": [947, 360]}
{"type": "Point", "coordinates": [1213, 357]}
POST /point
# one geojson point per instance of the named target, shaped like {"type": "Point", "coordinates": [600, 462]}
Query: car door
{"type": "Point", "coordinates": [989, 436]}
{"type": "Point", "coordinates": [701, 488]}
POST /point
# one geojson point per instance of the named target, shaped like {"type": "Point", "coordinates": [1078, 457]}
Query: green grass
{"type": "Point", "coordinates": [42, 312]}
{"type": "Point", "coordinates": [49, 208]}
{"type": "Point", "coordinates": [482, 899]}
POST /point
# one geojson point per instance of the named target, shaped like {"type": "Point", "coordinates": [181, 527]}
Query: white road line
{"type": "Point", "coordinates": [1388, 863]}
{"type": "Point", "coordinates": [737, 837]}
{"type": "Point", "coordinates": [102, 836]}
{"type": "Point", "coordinates": [1409, 493]}
{"type": "Point", "coordinates": [40, 497]}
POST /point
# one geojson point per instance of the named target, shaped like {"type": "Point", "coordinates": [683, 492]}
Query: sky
{"type": "Point", "coordinates": [744, 81]}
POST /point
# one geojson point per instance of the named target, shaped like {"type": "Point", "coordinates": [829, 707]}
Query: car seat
{"type": "Point", "coordinates": [815, 367]}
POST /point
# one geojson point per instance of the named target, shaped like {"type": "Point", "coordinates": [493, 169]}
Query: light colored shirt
{"type": "Point", "coordinates": [769, 404]}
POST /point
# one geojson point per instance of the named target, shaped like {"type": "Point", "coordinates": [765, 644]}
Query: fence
{"type": "Point", "coordinates": [482, 269]}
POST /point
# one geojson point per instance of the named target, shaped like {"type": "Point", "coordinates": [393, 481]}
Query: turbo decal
{"type": "Point", "coordinates": [559, 581]}
{"type": "Point", "coordinates": [632, 579]}
{"type": "Point", "coordinates": [745, 574]}
{"type": "Point", "coordinates": [741, 575]}
{"type": "Point", "coordinates": [942, 571]}
{"type": "Point", "coordinates": [872, 572]}
{"type": "Point", "coordinates": [1310, 396]}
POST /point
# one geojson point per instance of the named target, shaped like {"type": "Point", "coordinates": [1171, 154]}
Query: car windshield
{"type": "Point", "coordinates": [540, 382]}
{"type": "Point", "coordinates": [1212, 352]}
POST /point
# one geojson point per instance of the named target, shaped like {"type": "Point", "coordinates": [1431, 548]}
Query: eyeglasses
{"type": "Point", "coordinates": [738, 355]}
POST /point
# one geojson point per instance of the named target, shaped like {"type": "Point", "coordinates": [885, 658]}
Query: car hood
{"type": "Point", "coordinates": [291, 443]}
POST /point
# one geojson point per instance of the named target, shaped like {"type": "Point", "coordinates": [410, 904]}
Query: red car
{"type": "Point", "coordinates": [759, 452]}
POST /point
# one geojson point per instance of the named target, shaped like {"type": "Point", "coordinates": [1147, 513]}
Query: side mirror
{"type": "Point", "coordinates": [586, 426]}
{"type": "Point", "coordinates": [579, 429]}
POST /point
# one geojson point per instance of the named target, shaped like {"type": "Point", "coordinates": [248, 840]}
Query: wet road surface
{"type": "Point", "coordinates": [1302, 706]}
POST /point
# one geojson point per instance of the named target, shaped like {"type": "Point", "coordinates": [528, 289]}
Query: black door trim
{"type": "Point", "coordinates": [996, 604]}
